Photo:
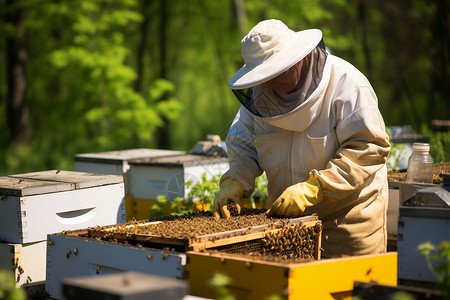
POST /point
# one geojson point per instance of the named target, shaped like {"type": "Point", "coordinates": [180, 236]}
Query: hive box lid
{"type": "Point", "coordinates": [52, 181]}
{"type": "Point", "coordinates": [125, 155]}
{"type": "Point", "coordinates": [179, 161]}
{"type": "Point", "coordinates": [124, 286]}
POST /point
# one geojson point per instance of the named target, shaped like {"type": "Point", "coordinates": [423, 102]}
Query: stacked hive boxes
{"type": "Point", "coordinates": [149, 173]}
{"type": "Point", "coordinates": [36, 204]}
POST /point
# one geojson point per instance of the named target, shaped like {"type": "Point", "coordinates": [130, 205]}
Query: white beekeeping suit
{"type": "Point", "coordinates": [322, 143]}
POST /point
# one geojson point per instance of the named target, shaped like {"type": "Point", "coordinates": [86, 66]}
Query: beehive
{"type": "Point", "coordinates": [167, 176]}
{"type": "Point", "coordinates": [131, 247]}
{"type": "Point", "coordinates": [250, 232]}
{"type": "Point", "coordinates": [35, 204]}
{"type": "Point", "coordinates": [117, 162]}
{"type": "Point", "coordinates": [253, 278]}
{"type": "Point", "coordinates": [26, 261]}
{"type": "Point", "coordinates": [72, 254]}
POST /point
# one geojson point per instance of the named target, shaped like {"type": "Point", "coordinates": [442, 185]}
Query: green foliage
{"type": "Point", "coordinates": [396, 155]}
{"type": "Point", "coordinates": [439, 144]}
{"type": "Point", "coordinates": [201, 197]}
{"type": "Point", "coordinates": [220, 282]}
{"type": "Point", "coordinates": [258, 198]}
{"type": "Point", "coordinates": [441, 269]}
{"type": "Point", "coordinates": [8, 290]}
{"type": "Point", "coordinates": [204, 191]}
{"type": "Point", "coordinates": [83, 68]}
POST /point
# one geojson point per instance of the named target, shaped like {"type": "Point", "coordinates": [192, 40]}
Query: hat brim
{"type": "Point", "coordinates": [248, 76]}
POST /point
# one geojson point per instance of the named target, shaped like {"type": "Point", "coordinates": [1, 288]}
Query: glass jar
{"type": "Point", "coordinates": [420, 164]}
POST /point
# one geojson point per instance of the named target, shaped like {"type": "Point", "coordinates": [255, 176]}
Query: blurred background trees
{"type": "Point", "coordinates": [99, 75]}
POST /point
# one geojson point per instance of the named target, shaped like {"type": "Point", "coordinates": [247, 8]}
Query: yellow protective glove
{"type": "Point", "coordinates": [229, 190]}
{"type": "Point", "coordinates": [296, 198]}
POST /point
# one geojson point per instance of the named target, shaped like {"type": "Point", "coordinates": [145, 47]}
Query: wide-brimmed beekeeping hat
{"type": "Point", "coordinates": [269, 49]}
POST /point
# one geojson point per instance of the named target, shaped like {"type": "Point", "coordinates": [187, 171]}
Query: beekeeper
{"type": "Point", "coordinates": [311, 122]}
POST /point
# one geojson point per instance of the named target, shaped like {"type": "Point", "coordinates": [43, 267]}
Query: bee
{"type": "Point", "coordinates": [3, 197]}
{"type": "Point", "coordinates": [165, 255]}
{"type": "Point", "coordinates": [68, 254]}
{"type": "Point", "coordinates": [57, 171]}
{"type": "Point", "coordinates": [98, 270]}
{"type": "Point", "coordinates": [15, 262]}
{"type": "Point", "coordinates": [50, 243]}
{"type": "Point", "coordinates": [20, 181]}
{"type": "Point", "coordinates": [20, 269]}
{"type": "Point", "coordinates": [29, 279]}
{"type": "Point", "coordinates": [75, 251]}
{"type": "Point", "coordinates": [149, 256]}
{"type": "Point", "coordinates": [18, 277]}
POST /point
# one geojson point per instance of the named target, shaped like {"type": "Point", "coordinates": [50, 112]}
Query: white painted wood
{"type": "Point", "coordinates": [26, 187]}
{"type": "Point", "coordinates": [30, 218]}
{"type": "Point", "coordinates": [167, 176]}
{"type": "Point", "coordinates": [95, 258]}
{"type": "Point", "coordinates": [116, 162]}
{"type": "Point", "coordinates": [27, 262]}
{"type": "Point", "coordinates": [79, 180]}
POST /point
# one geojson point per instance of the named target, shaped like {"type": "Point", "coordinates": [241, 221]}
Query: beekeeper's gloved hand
{"type": "Point", "coordinates": [229, 189]}
{"type": "Point", "coordinates": [296, 198]}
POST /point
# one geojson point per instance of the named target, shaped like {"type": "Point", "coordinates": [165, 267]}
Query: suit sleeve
{"type": "Point", "coordinates": [242, 156]}
{"type": "Point", "coordinates": [364, 148]}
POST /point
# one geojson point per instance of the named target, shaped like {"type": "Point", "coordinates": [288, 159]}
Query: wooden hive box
{"type": "Point", "coordinates": [117, 162]}
{"type": "Point", "coordinates": [72, 255]}
{"type": "Point", "coordinates": [167, 176]}
{"type": "Point", "coordinates": [258, 278]}
{"type": "Point", "coordinates": [33, 205]}
{"type": "Point", "coordinates": [110, 249]}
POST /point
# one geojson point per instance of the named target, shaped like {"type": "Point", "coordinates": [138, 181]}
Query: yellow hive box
{"type": "Point", "coordinates": [257, 279]}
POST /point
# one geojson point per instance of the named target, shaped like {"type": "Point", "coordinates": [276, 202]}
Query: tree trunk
{"type": "Point", "coordinates": [441, 61]}
{"type": "Point", "coordinates": [240, 16]}
{"type": "Point", "coordinates": [17, 111]}
{"type": "Point", "coordinates": [162, 133]}
{"type": "Point", "coordinates": [142, 47]}
{"type": "Point", "coordinates": [362, 16]}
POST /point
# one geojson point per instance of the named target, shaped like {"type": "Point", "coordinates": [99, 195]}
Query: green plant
{"type": "Point", "coordinates": [201, 197]}
{"type": "Point", "coordinates": [8, 290]}
{"type": "Point", "coordinates": [220, 282]}
{"type": "Point", "coordinates": [441, 269]}
{"type": "Point", "coordinates": [439, 144]}
{"type": "Point", "coordinates": [204, 191]}
{"type": "Point", "coordinates": [259, 196]}
{"type": "Point", "coordinates": [396, 154]}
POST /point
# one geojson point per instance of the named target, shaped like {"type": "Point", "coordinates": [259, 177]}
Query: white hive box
{"type": "Point", "coordinates": [116, 162]}
{"type": "Point", "coordinates": [35, 204]}
{"type": "Point", "coordinates": [167, 176]}
{"type": "Point", "coordinates": [72, 255]}
{"type": "Point", "coordinates": [26, 261]}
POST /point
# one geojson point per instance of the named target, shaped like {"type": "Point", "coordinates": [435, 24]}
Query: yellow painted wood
{"type": "Point", "coordinates": [327, 279]}
{"type": "Point", "coordinates": [250, 280]}
{"type": "Point", "coordinates": [140, 209]}
{"type": "Point", "coordinates": [256, 279]}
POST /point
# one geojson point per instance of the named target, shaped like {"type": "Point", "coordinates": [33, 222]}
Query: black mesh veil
{"type": "Point", "coordinates": [267, 103]}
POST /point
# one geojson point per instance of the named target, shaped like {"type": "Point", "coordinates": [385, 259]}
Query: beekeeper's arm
{"type": "Point", "coordinates": [364, 147]}
{"type": "Point", "coordinates": [239, 180]}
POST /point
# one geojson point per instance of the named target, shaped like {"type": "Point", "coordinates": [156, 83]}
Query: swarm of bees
{"type": "Point", "coordinates": [232, 207]}
{"type": "Point", "coordinates": [194, 224]}
{"type": "Point", "coordinates": [283, 240]}
{"type": "Point", "coordinates": [292, 242]}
